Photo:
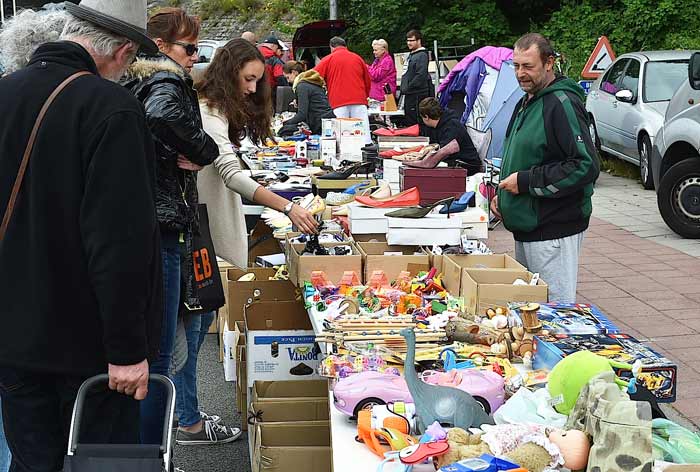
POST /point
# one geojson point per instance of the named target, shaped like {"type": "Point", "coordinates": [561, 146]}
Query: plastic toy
{"type": "Point", "coordinates": [446, 405]}
{"type": "Point", "coordinates": [574, 446]}
{"type": "Point", "coordinates": [573, 372]}
{"type": "Point", "coordinates": [366, 389]}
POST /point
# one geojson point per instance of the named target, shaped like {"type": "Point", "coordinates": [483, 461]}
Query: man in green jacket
{"type": "Point", "coordinates": [548, 171]}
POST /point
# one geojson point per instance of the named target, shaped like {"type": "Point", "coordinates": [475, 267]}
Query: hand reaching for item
{"type": "Point", "coordinates": [494, 207]}
{"type": "Point", "coordinates": [186, 164]}
{"type": "Point", "coordinates": [131, 380]}
{"type": "Point", "coordinates": [302, 219]}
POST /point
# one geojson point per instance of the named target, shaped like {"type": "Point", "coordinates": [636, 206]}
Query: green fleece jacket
{"type": "Point", "coordinates": [549, 147]}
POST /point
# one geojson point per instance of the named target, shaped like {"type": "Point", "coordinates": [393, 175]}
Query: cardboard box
{"type": "Point", "coordinates": [484, 289]}
{"type": "Point", "coordinates": [261, 242]}
{"type": "Point", "coordinates": [373, 238]}
{"type": "Point", "coordinates": [453, 265]}
{"type": "Point", "coordinates": [475, 223]}
{"type": "Point", "coordinates": [367, 220]}
{"type": "Point", "coordinates": [350, 147]}
{"type": "Point", "coordinates": [242, 383]}
{"type": "Point", "coordinates": [284, 447]}
{"type": "Point", "coordinates": [411, 258]}
{"type": "Point", "coordinates": [280, 342]}
{"type": "Point", "coordinates": [242, 293]}
{"type": "Point", "coordinates": [573, 318]}
{"type": "Point", "coordinates": [329, 149]}
{"type": "Point", "coordinates": [432, 229]}
{"type": "Point", "coordinates": [301, 266]}
{"type": "Point", "coordinates": [659, 374]}
{"type": "Point", "coordinates": [289, 401]}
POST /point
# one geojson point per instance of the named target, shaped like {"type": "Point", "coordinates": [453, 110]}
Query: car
{"type": "Point", "coordinates": [206, 50]}
{"type": "Point", "coordinates": [310, 41]}
{"type": "Point", "coordinates": [369, 388]}
{"type": "Point", "coordinates": [675, 158]}
{"type": "Point", "coordinates": [627, 104]}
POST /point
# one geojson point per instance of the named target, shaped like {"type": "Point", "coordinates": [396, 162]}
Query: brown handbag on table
{"type": "Point", "coordinates": [28, 151]}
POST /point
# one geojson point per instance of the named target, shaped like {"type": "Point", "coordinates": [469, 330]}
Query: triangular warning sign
{"type": "Point", "coordinates": [600, 59]}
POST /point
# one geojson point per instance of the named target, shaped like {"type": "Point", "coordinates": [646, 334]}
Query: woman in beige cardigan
{"type": "Point", "coordinates": [235, 101]}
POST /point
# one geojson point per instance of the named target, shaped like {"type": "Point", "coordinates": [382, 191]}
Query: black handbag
{"type": "Point", "coordinates": [207, 279]}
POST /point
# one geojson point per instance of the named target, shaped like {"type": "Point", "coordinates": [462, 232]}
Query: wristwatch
{"type": "Point", "coordinates": [288, 208]}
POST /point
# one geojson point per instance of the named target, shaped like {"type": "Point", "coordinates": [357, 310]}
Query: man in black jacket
{"type": "Point", "coordinates": [80, 279]}
{"type": "Point", "coordinates": [443, 126]}
{"type": "Point", "coordinates": [416, 83]}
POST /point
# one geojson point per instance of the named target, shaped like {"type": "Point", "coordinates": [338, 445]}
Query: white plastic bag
{"type": "Point", "coordinates": [529, 407]}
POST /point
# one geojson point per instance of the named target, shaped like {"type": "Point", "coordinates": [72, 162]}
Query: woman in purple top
{"type": "Point", "coordinates": [382, 71]}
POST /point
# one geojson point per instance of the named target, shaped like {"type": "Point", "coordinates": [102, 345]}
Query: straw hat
{"type": "Point", "coordinates": [123, 17]}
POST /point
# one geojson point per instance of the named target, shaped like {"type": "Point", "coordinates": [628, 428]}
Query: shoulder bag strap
{"type": "Point", "coordinates": [28, 151]}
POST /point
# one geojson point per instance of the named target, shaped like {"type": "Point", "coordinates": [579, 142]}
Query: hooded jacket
{"type": "Point", "coordinates": [312, 102]}
{"type": "Point", "coordinates": [416, 79]}
{"type": "Point", "coordinates": [172, 114]}
{"type": "Point", "coordinates": [81, 272]}
{"type": "Point", "coordinates": [548, 146]}
{"type": "Point", "coordinates": [273, 68]}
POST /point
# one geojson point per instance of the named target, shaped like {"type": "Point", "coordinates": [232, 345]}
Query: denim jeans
{"type": "Point", "coordinates": [153, 407]}
{"type": "Point", "coordinates": [5, 456]}
{"type": "Point", "coordinates": [37, 410]}
{"type": "Point", "coordinates": [187, 403]}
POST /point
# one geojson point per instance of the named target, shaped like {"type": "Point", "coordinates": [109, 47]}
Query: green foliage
{"type": "Point", "coordinates": [246, 8]}
{"type": "Point", "coordinates": [631, 25]}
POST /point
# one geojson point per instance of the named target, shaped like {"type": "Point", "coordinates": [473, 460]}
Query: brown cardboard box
{"type": "Point", "coordinates": [301, 266]}
{"type": "Point", "coordinates": [224, 266]}
{"type": "Point", "coordinates": [453, 266]}
{"type": "Point", "coordinates": [486, 288]}
{"type": "Point", "coordinates": [289, 389]}
{"type": "Point", "coordinates": [283, 447]}
{"type": "Point", "coordinates": [242, 384]}
{"type": "Point", "coordinates": [393, 265]}
{"type": "Point", "coordinates": [374, 237]}
{"type": "Point", "coordinates": [297, 409]}
{"type": "Point", "coordinates": [240, 293]}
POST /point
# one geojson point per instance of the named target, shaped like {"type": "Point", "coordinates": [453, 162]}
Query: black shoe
{"type": "Point", "coordinates": [370, 147]}
{"type": "Point", "coordinates": [343, 174]}
{"type": "Point", "coordinates": [301, 369]}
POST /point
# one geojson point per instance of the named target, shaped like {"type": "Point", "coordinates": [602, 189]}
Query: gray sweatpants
{"type": "Point", "coordinates": [557, 262]}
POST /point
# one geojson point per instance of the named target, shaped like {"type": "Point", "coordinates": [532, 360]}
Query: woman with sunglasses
{"type": "Point", "coordinates": [164, 86]}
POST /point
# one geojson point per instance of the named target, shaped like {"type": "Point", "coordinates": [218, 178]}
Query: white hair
{"type": "Point", "coordinates": [103, 43]}
{"type": "Point", "coordinates": [29, 29]}
{"type": "Point", "coordinates": [381, 43]}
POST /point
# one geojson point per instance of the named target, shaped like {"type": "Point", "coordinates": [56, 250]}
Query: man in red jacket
{"type": "Point", "coordinates": [273, 65]}
{"type": "Point", "coordinates": [348, 82]}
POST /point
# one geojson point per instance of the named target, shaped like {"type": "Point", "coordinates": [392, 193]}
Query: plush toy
{"type": "Point", "coordinates": [530, 456]}
{"type": "Point", "coordinates": [463, 445]}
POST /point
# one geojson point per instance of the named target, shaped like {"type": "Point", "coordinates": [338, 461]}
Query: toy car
{"type": "Point", "coordinates": [366, 389]}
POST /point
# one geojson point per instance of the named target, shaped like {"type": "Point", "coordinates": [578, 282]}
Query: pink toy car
{"type": "Point", "coordinates": [366, 389]}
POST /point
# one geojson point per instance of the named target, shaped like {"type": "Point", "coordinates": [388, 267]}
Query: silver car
{"type": "Point", "coordinates": [628, 102]}
{"type": "Point", "coordinates": [675, 159]}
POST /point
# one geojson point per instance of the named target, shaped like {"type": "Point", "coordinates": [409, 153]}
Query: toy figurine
{"type": "Point", "coordinates": [446, 405]}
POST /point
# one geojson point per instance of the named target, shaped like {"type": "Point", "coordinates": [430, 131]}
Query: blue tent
{"type": "Point", "coordinates": [505, 96]}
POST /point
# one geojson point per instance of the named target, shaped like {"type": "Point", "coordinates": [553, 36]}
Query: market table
{"type": "Point", "coordinates": [385, 116]}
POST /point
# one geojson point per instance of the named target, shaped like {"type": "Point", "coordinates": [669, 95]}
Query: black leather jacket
{"type": "Point", "coordinates": [172, 115]}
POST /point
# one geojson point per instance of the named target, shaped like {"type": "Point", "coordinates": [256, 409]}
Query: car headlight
{"type": "Point", "coordinates": [340, 402]}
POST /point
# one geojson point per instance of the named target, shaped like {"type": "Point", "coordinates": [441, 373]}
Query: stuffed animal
{"type": "Point", "coordinates": [463, 445]}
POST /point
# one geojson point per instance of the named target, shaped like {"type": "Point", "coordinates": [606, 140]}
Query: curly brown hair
{"type": "Point", "coordinates": [220, 89]}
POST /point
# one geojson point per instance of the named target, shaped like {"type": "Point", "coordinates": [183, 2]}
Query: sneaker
{"type": "Point", "coordinates": [211, 433]}
{"type": "Point", "coordinates": [212, 418]}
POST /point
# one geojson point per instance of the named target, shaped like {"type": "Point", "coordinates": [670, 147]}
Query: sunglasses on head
{"type": "Point", "coordinates": [190, 49]}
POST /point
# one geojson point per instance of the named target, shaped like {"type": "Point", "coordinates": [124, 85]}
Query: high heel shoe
{"type": "Point", "coordinates": [459, 205]}
{"type": "Point", "coordinates": [406, 198]}
{"type": "Point", "coordinates": [343, 174]}
{"type": "Point", "coordinates": [430, 162]}
{"type": "Point", "coordinates": [420, 212]}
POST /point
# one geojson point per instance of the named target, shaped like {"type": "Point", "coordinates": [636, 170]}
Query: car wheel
{"type": "Point", "coordinates": [679, 198]}
{"type": "Point", "coordinates": [367, 404]}
{"type": "Point", "coordinates": [645, 163]}
{"type": "Point", "coordinates": [484, 404]}
{"type": "Point", "coordinates": [593, 131]}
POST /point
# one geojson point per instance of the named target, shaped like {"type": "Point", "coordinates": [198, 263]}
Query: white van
{"type": "Point", "coordinates": [675, 159]}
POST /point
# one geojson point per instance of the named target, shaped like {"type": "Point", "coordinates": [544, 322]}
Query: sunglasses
{"type": "Point", "coordinates": [190, 49]}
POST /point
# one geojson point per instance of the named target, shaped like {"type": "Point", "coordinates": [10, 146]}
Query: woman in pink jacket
{"type": "Point", "coordinates": [382, 71]}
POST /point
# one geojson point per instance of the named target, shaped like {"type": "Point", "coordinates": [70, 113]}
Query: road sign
{"type": "Point", "coordinates": [600, 59]}
{"type": "Point", "coordinates": [585, 85]}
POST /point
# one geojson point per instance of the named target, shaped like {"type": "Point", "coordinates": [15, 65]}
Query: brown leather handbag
{"type": "Point", "coordinates": [28, 151]}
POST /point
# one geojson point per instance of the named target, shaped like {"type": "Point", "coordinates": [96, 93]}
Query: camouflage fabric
{"type": "Point", "coordinates": [620, 428]}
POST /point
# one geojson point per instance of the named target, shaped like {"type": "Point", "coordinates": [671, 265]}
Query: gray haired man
{"type": "Point", "coordinates": [80, 279]}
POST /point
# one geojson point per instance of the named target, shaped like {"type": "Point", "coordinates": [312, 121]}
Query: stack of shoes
{"type": "Point", "coordinates": [431, 161]}
{"type": "Point", "coordinates": [398, 151]}
{"type": "Point", "coordinates": [410, 131]}
{"type": "Point", "coordinates": [347, 195]}
{"type": "Point", "coordinates": [383, 191]}
{"type": "Point", "coordinates": [418, 155]}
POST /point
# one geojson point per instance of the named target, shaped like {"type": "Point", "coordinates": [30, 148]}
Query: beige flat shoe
{"type": "Point", "coordinates": [340, 211]}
